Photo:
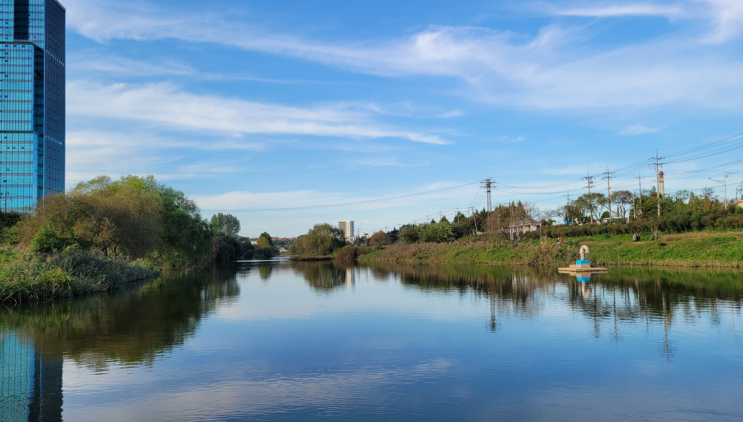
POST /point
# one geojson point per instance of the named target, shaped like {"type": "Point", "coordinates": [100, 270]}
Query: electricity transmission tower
{"type": "Point", "coordinates": [488, 185]}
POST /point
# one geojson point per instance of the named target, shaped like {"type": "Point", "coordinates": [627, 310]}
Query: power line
{"type": "Point", "coordinates": [348, 203]}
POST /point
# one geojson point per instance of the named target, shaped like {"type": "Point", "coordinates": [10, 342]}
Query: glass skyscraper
{"type": "Point", "coordinates": [32, 102]}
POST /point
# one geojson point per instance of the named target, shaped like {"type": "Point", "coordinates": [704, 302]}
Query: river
{"type": "Point", "coordinates": [284, 341]}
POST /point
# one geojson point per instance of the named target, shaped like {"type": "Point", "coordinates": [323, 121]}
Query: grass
{"type": "Point", "coordinates": [698, 249]}
{"type": "Point", "coordinates": [26, 276]}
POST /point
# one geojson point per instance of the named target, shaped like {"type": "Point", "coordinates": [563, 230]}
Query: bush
{"type": "Point", "coordinates": [379, 239]}
{"type": "Point", "coordinates": [47, 241]}
{"type": "Point", "coordinates": [347, 253]}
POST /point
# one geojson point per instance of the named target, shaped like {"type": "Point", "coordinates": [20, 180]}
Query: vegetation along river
{"type": "Point", "coordinates": [304, 341]}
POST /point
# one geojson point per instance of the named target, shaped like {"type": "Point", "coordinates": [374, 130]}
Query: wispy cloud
{"type": "Point", "coordinates": [545, 71]}
{"type": "Point", "coordinates": [91, 153]}
{"type": "Point", "coordinates": [169, 106]}
{"type": "Point", "coordinates": [727, 16]}
{"type": "Point", "coordinates": [616, 10]}
{"type": "Point", "coordinates": [86, 62]}
{"type": "Point", "coordinates": [639, 130]}
{"type": "Point", "coordinates": [511, 139]}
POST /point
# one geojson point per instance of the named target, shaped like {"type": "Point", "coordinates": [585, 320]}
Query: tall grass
{"type": "Point", "coordinates": [26, 276]}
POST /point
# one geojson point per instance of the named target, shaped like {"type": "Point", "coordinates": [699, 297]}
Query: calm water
{"type": "Point", "coordinates": [328, 341]}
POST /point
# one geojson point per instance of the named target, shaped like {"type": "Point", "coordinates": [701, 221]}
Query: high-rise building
{"type": "Point", "coordinates": [32, 101]}
{"type": "Point", "coordinates": [346, 226]}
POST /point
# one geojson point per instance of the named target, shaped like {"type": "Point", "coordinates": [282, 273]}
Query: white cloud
{"type": "Point", "coordinates": [125, 65]}
{"type": "Point", "coordinates": [93, 153]}
{"type": "Point", "coordinates": [168, 106]}
{"type": "Point", "coordinates": [546, 71]}
{"type": "Point", "coordinates": [727, 16]}
{"type": "Point", "coordinates": [616, 10]}
{"type": "Point", "coordinates": [639, 130]}
{"type": "Point", "coordinates": [511, 140]}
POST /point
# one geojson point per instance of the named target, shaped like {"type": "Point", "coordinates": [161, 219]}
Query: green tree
{"type": "Point", "coordinates": [265, 240]}
{"type": "Point", "coordinates": [225, 225]}
{"type": "Point", "coordinates": [322, 239]}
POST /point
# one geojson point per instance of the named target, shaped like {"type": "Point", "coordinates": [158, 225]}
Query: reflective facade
{"type": "Point", "coordinates": [30, 381]}
{"type": "Point", "coordinates": [32, 101]}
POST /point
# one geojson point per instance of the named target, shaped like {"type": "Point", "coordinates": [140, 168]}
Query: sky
{"type": "Point", "coordinates": [292, 113]}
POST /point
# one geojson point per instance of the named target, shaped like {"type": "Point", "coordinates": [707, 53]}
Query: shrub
{"type": "Point", "coordinates": [379, 239]}
{"type": "Point", "coordinates": [347, 253]}
{"type": "Point", "coordinates": [47, 241]}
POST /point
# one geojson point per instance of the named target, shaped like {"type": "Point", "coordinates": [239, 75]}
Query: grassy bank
{"type": "Point", "coordinates": [26, 276]}
{"type": "Point", "coordinates": [698, 249]}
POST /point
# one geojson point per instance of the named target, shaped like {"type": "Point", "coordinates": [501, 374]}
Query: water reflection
{"type": "Point", "coordinates": [386, 333]}
{"type": "Point", "coordinates": [97, 332]}
{"type": "Point", "coordinates": [625, 293]}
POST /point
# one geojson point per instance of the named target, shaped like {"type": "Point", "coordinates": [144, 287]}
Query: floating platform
{"type": "Point", "coordinates": [582, 267]}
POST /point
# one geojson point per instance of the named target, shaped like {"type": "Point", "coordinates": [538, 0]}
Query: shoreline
{"type": "Point", "coordinates": [689, 250]}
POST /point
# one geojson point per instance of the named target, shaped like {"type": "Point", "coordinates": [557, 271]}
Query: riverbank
{"type": "Point", "coordinates": [698, 249]}
{"type": "Point", "coordinates": [27, 276]}
{"type": "Point", "coordinates": [311, 258]}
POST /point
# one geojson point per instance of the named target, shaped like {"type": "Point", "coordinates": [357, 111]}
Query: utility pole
{"type": "Point", "coordinates": [639, 178]}
{"type": "Point", "coordinates": [474, 216]}
{"type": "Point", "coordinates": [589, 181]}
{"type": "Point", "coordinates": [724, 182]}
{"type": "Point", "coordinates": [488, 184]}
{"type": "Point", "coordinates": [657, 181]}
{"type": "Point", "coordinates": [608, 190]}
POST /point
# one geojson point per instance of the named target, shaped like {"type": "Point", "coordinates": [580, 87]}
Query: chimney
{"type": "Point", "coordinates": [662, 183]}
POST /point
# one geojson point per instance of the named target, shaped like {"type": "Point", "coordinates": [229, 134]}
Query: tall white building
{"type": "Point", "coordinates": [346, 226]}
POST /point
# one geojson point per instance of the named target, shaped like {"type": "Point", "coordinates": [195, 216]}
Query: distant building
{"type": "Point", "coordinates": [519, 228]}
{"type": "Point", "coordinates": [346, 226]}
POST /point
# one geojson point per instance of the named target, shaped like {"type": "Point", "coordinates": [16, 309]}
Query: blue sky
{"type": "Point", "coordinates": [303, 103]}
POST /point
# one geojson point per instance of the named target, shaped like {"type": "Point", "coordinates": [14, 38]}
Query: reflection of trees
{"type": "Point", "coordinates": [130, 327]}
{"type": "Point", "coordinates": [265, 270]}
{"type": "Point", "coordinates": [326, 275]}
{"type": "Point", "coordinates": [625, 294]}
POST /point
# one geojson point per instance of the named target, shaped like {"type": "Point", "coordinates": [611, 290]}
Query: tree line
{"type": "Point", "coordinates": [135, 218]}
{"type": "Point", "coordinates": [681, 212]}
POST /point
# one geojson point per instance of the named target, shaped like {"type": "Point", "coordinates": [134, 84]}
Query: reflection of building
{"type": "Point", "coordinates": [346, 226]}
{"type": "Point", "coordinates": [350, 278]}
{"type": "Point", "coordinates": [30, 383]}
{"type": "Point", "coordinates": [32, 110]}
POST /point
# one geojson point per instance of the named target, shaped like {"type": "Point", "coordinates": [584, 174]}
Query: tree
{"type": "Point", "coordinates": [225, 225]}
{"type": "Point", "coordinates": [410, 234]}
{"type": "Point", "coordinates": [590, 203]}
{"type": "Point", "coordinates": [265, 240]}
{"type": "Point", "coordinates": [622, 199]}
{"type": "Point", "coordinates": [380, 239]}
{"type": "Point", "coordinates": [322, 239]}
